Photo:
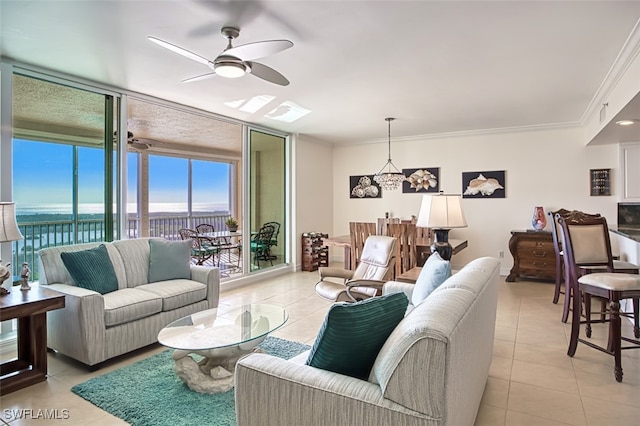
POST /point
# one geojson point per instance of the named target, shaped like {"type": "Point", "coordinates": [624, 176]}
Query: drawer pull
{"type": "Point", "coordinates": [540, 264]}
{"type": "Point", "coordinates": [539, 253]}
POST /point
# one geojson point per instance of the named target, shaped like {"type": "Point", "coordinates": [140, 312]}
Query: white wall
{"type": "Point", "coordinates": [313, 189]}
{"type": "Point", "coordinates": [543, 167]}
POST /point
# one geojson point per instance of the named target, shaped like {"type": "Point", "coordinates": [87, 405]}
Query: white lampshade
{"type": "Point", "coordinates": [8, 227]}
{"type": "Point", "coordinates": [441, 211]}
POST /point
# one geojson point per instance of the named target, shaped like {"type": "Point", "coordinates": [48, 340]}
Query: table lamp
{"type": "Point", "coordinates": [441, 213]}
{"type": "Point", "coordinates": [8, 232]}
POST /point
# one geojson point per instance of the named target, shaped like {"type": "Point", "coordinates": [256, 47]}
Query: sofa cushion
{"type": "Point", "coordinates": [435, 271]}
{"type": "Point", "coordinates": [135, 258]}
{"type": "Point", "coordinates": [176, 293]}
{"type": "Point", "coordinates": [129, 304]}
{"type": "Point", "coordinates": [91, 269]}
{"type": "Point", "coordinates": [353, 333]}
{"type": "Point", "coordinates": [169, 260]}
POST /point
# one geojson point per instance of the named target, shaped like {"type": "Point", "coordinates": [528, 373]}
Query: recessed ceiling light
{"type": "Point", "coordinates": [626, 122]}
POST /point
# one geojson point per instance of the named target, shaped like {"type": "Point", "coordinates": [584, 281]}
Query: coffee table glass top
{"type": "Point", "coordinates": [217, 328]}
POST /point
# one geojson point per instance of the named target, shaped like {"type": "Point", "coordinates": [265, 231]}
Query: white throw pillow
{"type": "Point", "coordinates": [435, 271]}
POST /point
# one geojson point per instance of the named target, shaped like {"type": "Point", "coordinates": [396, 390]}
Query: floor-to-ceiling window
{"type": "Point", "coordinates": [66, 148]}
{"type": "Point", "coordinates": [61, 173]}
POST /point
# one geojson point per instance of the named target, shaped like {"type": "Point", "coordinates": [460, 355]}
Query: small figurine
{"type": "Point", "coordinates": [24, 275]}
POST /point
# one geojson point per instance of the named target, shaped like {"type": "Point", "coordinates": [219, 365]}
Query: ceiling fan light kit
{"type": "Point", "coordinates": [235, 62]}
{"type": "Point", "coordinates": [389, 177]}
{"type": "Point", "coordinates": [230, 69]}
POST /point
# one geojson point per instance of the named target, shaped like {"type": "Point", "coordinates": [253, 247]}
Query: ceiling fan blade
{"type": "Point", "coordinates": [199, 77]}
{"type": "Point", "coordinates": [179, 50]}
{"type": "Point", "coordinates": [267, 73]}
{"type": "Point", "coordinates": [259, 49]}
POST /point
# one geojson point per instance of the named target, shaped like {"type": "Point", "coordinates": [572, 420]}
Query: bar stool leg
{"type": "Point", "coordinates": [575, 323]}
{"type": "Point", "coordinates": [568, 295]}
{"type": "Point", "coordinates": [614, 330]}
{"type": "Point", "coordinates": [587, 313]}
{"type": "Point", "coordinates": [636, 320]}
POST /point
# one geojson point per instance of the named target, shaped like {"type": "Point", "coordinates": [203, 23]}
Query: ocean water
{"type": "Point", "coordinates": [97, 208]}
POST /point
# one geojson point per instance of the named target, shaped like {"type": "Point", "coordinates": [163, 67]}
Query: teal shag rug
{"type": "Point", "coordinates": [148, 392]}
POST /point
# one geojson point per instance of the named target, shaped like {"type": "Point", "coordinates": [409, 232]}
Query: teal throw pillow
{"type": "Point", "coordinates": [353, 333]}
{"type": "Point", "coordinates": [169, 260]}
{"type": "Point", "coordinates": [435, 271]}
{"type": "Point", "coordinates": [91, 269]}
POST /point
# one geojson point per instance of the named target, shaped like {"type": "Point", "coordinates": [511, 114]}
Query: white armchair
{"type": "Point", "coordinates": [367, 279]}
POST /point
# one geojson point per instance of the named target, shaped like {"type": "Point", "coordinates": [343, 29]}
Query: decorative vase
{"type": "Point", "coordinates": [539, 220]}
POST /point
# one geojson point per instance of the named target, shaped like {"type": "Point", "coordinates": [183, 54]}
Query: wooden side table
{"type": "Point", "coordinates": [533, 255]}
{"type": "Point", "coordinates": [30, 309]}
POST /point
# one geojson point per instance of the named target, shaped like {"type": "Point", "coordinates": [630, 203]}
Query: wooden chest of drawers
{"type": "Point", "coordinates": [533, 255]}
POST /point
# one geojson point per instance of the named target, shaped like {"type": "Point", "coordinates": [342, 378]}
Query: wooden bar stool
{"type": "Point", "coordinates": [585, 244]}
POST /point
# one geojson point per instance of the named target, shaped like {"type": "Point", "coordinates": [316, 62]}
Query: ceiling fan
{"type": "Point", "coordinates": [236, 61]}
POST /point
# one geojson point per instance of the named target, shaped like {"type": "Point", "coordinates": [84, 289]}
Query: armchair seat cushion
{"type": "Point", "coordinates": [176, 293]}
{"type": "Point", "coordinates": [129, 304]}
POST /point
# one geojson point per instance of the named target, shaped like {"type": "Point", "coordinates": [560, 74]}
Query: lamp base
{"type": "Point", "coordinates": [441, 244]}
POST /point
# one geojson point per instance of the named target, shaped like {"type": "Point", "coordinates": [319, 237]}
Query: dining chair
{"type": "Point", "coordinates": [274, 239]}
{"type": "Point", "coordinates": [384, 222]}
{"type": "Point", "coordinates": [202, 248]}
{"type": "Point", "coordinates": [358, 233]}
{"type": "Point", "coordinates": [260, 243]}
{"type": "Point", "coordinates": [406, 251]}
{"type": "Point", "coordinates": [587, 244]}
{"type": "Point", "coordinates": [342, 285]}
{"type": "Point", "coordinates": [205, 228]}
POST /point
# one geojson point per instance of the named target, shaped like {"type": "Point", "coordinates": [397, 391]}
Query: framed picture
{"type": "Point", "coordinates": [483, 184]}
{"type": "Point", "coordinates": [423, 179]}
{"type": "Point", "coordinates": [363, 186]}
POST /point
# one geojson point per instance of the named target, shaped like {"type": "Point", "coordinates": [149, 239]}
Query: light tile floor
{"type": "Point", "coordinates": [532, 381]}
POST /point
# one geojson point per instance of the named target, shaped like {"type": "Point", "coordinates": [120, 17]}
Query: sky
{"type": "Point", "coordinates": [42, 174]}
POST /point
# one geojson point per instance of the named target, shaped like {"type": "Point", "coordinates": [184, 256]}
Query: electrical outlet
{"type": "Point", "coordinates": [501, 255]}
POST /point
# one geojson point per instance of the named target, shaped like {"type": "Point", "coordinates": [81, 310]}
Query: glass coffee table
{"type": "Point", "coordinates": [221, 337]}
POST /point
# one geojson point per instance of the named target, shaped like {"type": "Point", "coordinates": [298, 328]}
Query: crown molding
{"type": "Point", "coordinates": [468, 133]}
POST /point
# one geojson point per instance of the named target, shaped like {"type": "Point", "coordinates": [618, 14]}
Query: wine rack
{"type": "Point", "coordinates": [314, 253]}
{"type": "Point", "coordinates": [600, 182]}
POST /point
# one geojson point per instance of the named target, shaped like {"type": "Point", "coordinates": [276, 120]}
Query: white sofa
{"type": "Point", "coordinates": [432, 370]}
{"type": "Point", "coordinates": [94, 327]}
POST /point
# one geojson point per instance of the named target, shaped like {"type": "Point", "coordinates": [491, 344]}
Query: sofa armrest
{"type": "Point", "coordinates": [211, 278]}
{"type": "Point", "coordinates": [398, 287]}
{"type": "Point", "coordinates": [78, 330]}
{"type": "Point", "coordinates": [270, 390]}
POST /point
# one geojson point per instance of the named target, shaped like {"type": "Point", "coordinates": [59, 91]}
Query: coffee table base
{"type": "Point", "coordinates": [210, 374]}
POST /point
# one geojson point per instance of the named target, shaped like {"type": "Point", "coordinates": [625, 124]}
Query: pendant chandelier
{"type": "Point", "coordinates": [389, 177]}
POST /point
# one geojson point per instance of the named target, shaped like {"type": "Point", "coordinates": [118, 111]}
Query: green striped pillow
{"type": "Point", "coordinates": [91, 269]}
{"type": "Point", "coordinates": [353, 333]}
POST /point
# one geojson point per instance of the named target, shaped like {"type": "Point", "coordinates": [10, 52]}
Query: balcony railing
{"type": "Point", "coordinates": [39, 235]}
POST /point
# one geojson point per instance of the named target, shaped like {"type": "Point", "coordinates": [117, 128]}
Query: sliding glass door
{"type": "Point", "coordinates": [267, 199]}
